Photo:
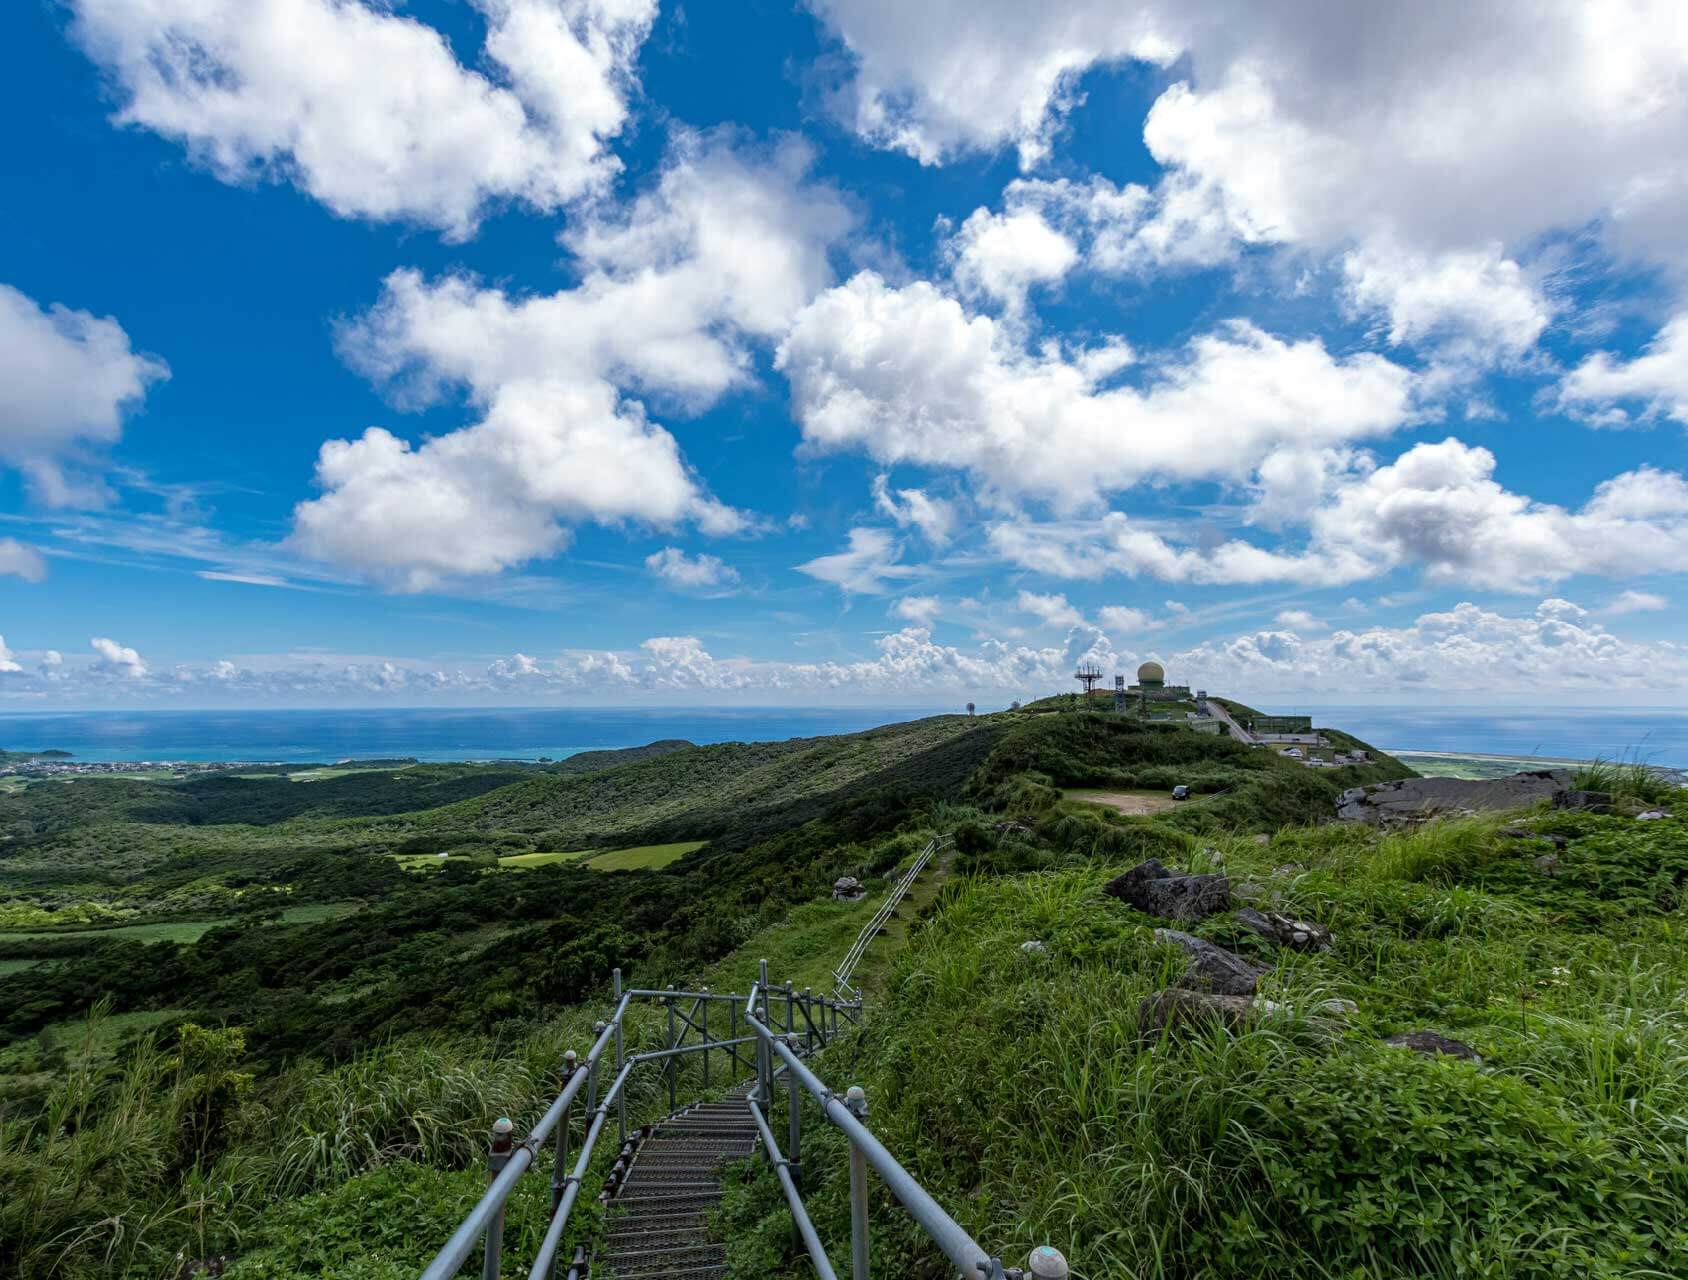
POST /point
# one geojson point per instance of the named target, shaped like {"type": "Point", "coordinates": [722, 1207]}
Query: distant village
{"type": "Point", "coordinates": [1153, 699]}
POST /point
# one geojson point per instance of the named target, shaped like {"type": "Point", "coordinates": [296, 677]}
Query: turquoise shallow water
{"type": "Point", "coordinates": [526, 733]}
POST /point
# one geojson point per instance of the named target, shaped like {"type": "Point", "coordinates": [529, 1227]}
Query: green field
{"type": "Point", "coordinates": [643, 857]}
{"type": "Point", "coordinates": [540, 859]}
{"type": "Point", "coordinates": [183, 930]}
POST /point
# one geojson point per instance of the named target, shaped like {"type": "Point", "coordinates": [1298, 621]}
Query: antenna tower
{"type": "Point", "coordinates": [1088, 675]}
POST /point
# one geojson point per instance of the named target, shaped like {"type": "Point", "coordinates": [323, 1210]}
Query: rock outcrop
{"type": "Point", "coordinates": [1416, 799]}
{"type": "Point", "coordinates": [1433, 1043]}
{"type": "Point", "coordinates": [1179, 1008]}
{"type": "Point", "coordinates": [1172, 895]}
{"type": "Point", "coordinates": [1588, 801]}
{"type": "Point", "coordinates": [1284, 930]}
{"type": "Point", "coordinates": [848, 889]}
{"type": "Point", "coordinates": [1212, 968]}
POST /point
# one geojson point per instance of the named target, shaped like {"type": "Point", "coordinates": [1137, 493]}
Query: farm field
{"type": "Point", "coordinates": [644, 857]}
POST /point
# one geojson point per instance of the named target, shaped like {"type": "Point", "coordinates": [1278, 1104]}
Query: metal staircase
{"type": "Point", "coordinates": [657, 1223]}
{"type": "Point", "coordinates": [667, 1176]}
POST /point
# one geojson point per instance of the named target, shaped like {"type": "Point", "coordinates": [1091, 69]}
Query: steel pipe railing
{"type": "Point", "coordinates": [509, 1160]}
{"type": "Point", "coordinates": [776, 1053]}
{"type": "Point", "coordinates": [799, 1215]}
{"type": "Point", "coordinates": [959, 1247]}
{"type": "Point", "coordinates": [846, 969]}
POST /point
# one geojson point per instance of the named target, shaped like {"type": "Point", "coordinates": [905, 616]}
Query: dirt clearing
{"type": "Point", "coordinates": [1138, 803]}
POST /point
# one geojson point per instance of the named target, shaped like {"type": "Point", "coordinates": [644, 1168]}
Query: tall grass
{"type": "Point", "coordinates": [1017, 1086]}
{"type": "Point", "coordinates": [1629, 778]}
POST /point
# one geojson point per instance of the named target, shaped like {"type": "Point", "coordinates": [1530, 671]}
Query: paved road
{"type": "Point", "coordinates": [1217, 710]}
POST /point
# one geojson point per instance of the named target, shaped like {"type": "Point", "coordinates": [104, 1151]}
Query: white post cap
{"type": "Point", "coordinates": [1047, 1263]}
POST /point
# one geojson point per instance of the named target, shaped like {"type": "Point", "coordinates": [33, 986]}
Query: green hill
{"type": "Point", "coordinates": [306, 1091]}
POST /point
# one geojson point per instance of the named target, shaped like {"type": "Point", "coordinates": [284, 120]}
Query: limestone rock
{"type": "Point", "coordinates": [1416, 799]}
{"type": "Point", "coordinates": [1433, 1043]}
{"type": "Point", "coordinates": [848, 889]}
{"type": "Point", "coordinates": [1338, 1008]}
{"type": "Point", "coordinates": [1284, 930]}
{"type": "Point", "coordinates": [1549, 865]}
{"type": "Point", "coordinates": [1034, 947]}
{"type": "Point", "coordinates": [1587, 801]}
{"type": "Point", "coordinates": [1262, 840]}
{"type": "Point", "coordinates": [1173, 895]}
{"type": "Point", "coordinates": [1214, 968]}
{"type": "Point", "coordinates": [1179, 1008]}
{"type": "Point", "coordinates": [1651, 815]}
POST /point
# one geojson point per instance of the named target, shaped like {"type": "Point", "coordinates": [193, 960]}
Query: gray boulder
{"type": "Point", "coordinates": [1180, 1009]}
{"type": "Point", "coordinates": [1160, 891]}
{"type": "Point", "coordinates": [1652, 815]}
{"type": "Point", "coordinates": [848, 889]}
{"type": "Point", "coordinates": [1432, 1043]}
{"type": "Point", "coordinates": [1284, 930]}
{"type": "Point", "coordinates": [1214, 968]}
{"type": "Point", "coordinates": [1587, 801]}
{"type": "Point", "coordinates": [1549, 865]}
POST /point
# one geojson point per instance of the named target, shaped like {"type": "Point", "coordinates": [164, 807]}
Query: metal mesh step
{"type": "Point", "coordinates": [686, 1255]}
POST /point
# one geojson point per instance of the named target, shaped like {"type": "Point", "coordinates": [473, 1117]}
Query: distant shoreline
{"type": "Point", "coordinates": [1405, 752]}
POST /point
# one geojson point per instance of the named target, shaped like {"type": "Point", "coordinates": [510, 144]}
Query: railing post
{"type": "Point", "coordinates": [703, 1027]}
{"type": "Point", "coordinates": [621, 1098]}
{"type": "Point", "coordinates": [808, 1006]}
{"type": "Point", "coordinates": [856, 1101]}
{"type": "Point", "coordinates": [559, 1171]}
{"type": "Point", "coordinates": [764, 1055]}
{"type": "Point", "coordinates": [732, 1034]}
{"type": "Point", "coordinates": [791, 1098]}
{"type": "Point", "coordinates": [592, 1071]}
{"type": "Point", "coordinates": [673, 1063]}
{"type": "Point", "coordinates": [497, 1156]}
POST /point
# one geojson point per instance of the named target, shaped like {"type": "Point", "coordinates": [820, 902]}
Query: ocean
{"type": "Point", "coordinates": [1658, 737]}
{"type": "Point", "coordinates": [1568, 733]}
{"type": "Point", "coordinates": [432, 733]}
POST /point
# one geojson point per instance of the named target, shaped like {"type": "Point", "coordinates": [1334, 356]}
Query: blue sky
{"type": "Point", "coordinates": [618, 351]}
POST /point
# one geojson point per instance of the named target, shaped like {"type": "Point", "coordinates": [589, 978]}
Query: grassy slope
{"type": "Point", "coordinates": [1287, 1152]}
{"type": "Point", "coordinates": [696, 792]}
{"type": "Point", "coordinates": [1306, 1148]}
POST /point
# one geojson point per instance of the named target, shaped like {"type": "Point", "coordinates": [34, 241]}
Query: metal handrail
{"type": "Point", "coordinates": [508, 1160]}
{"type": "Point", "coordinates": [946, 1233]}
{"type": "Point", "coordinates": [847, 967]}
{"type": "Point", "coordinates": [799, 1215]}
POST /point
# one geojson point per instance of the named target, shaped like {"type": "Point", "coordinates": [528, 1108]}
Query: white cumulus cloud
{"type": "Point", "coordinates": [117, 659]}
{"type": "Point", "coordinates": [693, 573]}
{"type": "Point", "coordinates": [1436, 508]}
{"type": "Point", "coordinates": [1051, 610]}
{"type": "Point", "coordinates": [67, 379]}
{"type": "Point", "coordinates": [1654, 383]}
{"type": "Point", "coordinates": [722, 252]}
{"type": "Point", "coordinates": [1637, 602]}
{"type": "Point", "coordinates": [908, 375]}
{"type": "Point", "coordinates": [867, 566]}
{"type": "Point", "coordinates": [367, 109]}
{"type": "Point", "coordinates": [1412, 135]}
{"type": "Point", "coordinates": [21, 560]}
